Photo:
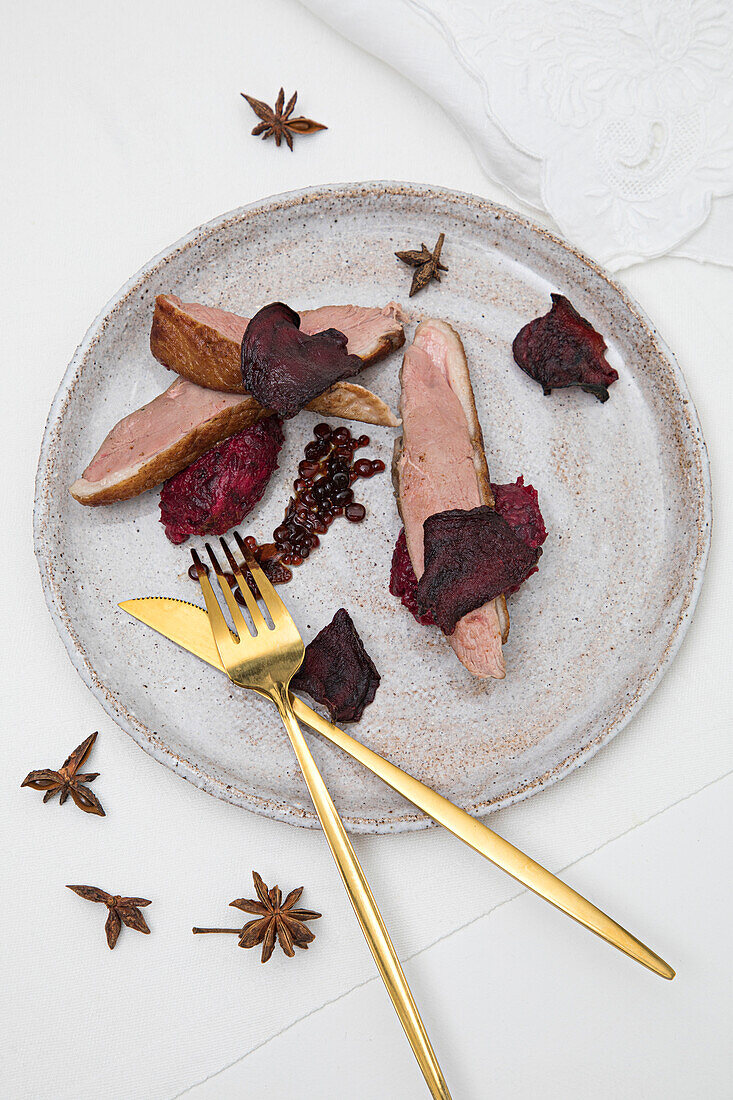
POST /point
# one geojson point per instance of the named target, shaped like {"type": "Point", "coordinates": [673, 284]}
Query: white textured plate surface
{"type": "Point", "coordinates": [624, 488]}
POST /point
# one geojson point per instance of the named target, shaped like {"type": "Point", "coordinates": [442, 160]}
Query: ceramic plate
{"type": "Point", "coordinates": [624, 488]}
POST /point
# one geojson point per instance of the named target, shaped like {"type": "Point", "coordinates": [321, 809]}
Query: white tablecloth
{"type": "Point", "coordinates": [123, 129]}
{"type": "Point", "coordinates": [613, 117]}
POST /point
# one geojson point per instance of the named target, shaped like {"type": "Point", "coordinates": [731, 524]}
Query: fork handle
{"type": "Point", "coordinates": [365, 907]}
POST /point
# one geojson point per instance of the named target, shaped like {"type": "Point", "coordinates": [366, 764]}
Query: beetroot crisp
{"type": "Point", "coordinates": [337, 671]}
{"type": "Point", "coordinates": [216, 492]}
{"type": "Point", "coordinates": [284, 368]}
{"type": "Point", "coordinates": [519, 506]}
{"type": "Point", "coordinates": [471, 556]}
{"type": "Point", "coordinates": [563, 349]}
{"type": "Point", "coordinates": [517, 503]}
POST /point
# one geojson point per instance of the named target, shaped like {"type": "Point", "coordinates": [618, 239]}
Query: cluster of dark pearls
{"type": "Point", "coordinates": [322, 491]}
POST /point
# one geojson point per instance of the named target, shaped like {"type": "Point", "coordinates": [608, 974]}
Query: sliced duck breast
{"type": "Point", "coordinates": [203, 343]}
{"type": "Point", "coordinates": [440, 465]}
{"type": "Point", "coordinates": [182, 423]}
{"type": "Point", "coordinates": [160, 439]}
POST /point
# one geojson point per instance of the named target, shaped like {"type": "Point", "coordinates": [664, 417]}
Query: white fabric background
{"type": "Point", "coordinates": [122, 129]}
{"type": "Point", "coordinates": [615, 117]}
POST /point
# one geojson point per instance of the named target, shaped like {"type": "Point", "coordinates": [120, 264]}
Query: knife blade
{"type": "Point", "coordinates": [188, 626]}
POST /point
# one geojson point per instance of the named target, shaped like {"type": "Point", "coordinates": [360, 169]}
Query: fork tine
{"type": "Point", "coordinates": [259, 620]}
{"type": "Point", "coordinates": [270, 598]}
{"type": "Point", "coordinates": [219, 626]}
{"type": "Point", "coordinates": [240, 623]}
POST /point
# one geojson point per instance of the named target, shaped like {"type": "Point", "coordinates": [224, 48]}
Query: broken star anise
{"type": "Point", "coordinates": [280, 123]}
{"type": "Point", "coordinates": [427, 263]}
{"type": "Point", "coordinates": [121, 911]}
{"type": "Point", "coordinates": [68, 780]}
{"type": "Point", "coordinates": [276, 919]}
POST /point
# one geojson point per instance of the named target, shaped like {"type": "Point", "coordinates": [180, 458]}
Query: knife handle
{"type": "Point", "coordinates": [487, 843]}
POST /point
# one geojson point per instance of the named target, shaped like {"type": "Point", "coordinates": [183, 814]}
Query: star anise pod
{"type": "Point", "coordinates": [276, 919]}
{"type": "Point", "coordinates": [427, 263]}
{"type": "Point", "coordinates": [279, 123]}
{"type": "Point", "coordinates": [121, 911]}
{"type": "Point", "coordinates": [68, 780]}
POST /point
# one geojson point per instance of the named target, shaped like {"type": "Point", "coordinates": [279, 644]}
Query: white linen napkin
{"type": "Point", "coordinates": [616, 119]}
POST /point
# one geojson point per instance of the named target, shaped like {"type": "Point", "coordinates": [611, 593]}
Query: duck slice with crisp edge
{"type": "Point", "coordinates": [440, 465]}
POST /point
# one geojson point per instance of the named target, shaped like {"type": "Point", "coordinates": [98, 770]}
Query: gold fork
{"type": "Point", "coordinates": [265, 662]}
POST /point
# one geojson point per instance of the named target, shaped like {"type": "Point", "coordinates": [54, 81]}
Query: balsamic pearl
{"type": "Point", "coordinates": [355, 512]}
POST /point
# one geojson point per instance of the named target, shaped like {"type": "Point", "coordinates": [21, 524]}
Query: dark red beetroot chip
{"type": "Point", "coordinates": [471, 556]}
{"type": "Point", "coordinates": [563, 349]}
{"type": "Point", "coordinates": [337, 671]}
{"type": "Point", "coordinates": [519, 506]}
{"type": "Point", "coordinates": [517, 503]}
{"type": "Point", "coordinates": [285, 369]}
{"type": "Point", "coordinates": [221, 487]}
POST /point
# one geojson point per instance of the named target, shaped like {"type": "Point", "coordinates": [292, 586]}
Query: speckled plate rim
{"type": "Point", "coordinates": [189, 769]}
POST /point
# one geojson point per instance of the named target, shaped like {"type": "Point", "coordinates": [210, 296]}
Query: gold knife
{"type": "Point", "coordinates": [188, 626]}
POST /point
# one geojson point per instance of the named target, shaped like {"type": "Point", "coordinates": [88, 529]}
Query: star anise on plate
{"type": "Point", "coordinates": [121, 911]}
{"type": "Point", "coordinates": [280, 123]}
{"type": "Point", "coordinates": [68, 780]}
{"type": "Point", "coordinates": [427, 263]}
{"type": "Point", "coordinates": [276, 920]}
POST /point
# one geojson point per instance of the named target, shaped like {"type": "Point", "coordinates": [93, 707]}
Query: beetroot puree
{"type": "Point", "coordinates": [517, 503]}
{"type": "Point", "coordinates": [221, 487]}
